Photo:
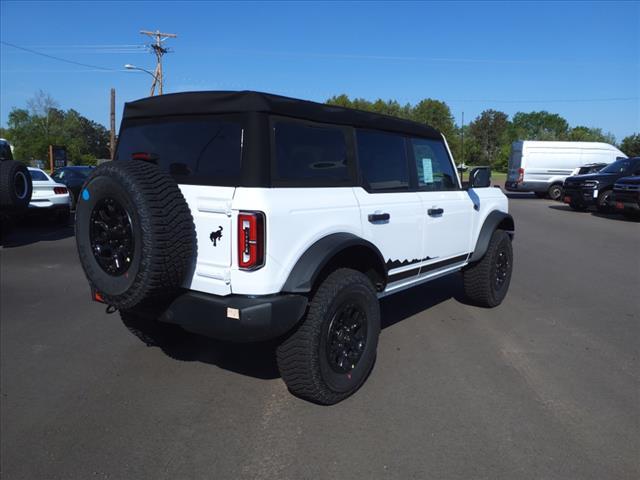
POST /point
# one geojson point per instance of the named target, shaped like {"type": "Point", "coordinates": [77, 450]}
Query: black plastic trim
{"type": "Point", "coordinates": [490, 224]}
{"type": "Point", "coordinates": [259, 318]}
{"type": "Point", "coordinates": [317, 256]}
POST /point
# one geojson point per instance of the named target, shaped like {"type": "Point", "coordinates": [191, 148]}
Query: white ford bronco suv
{"type": "Point", "coordinates": [247, 216]}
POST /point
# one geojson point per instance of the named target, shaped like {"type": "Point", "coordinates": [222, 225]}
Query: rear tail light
{"type": "Point", "coordinates": [59, 190]}
{"type": "Point", "coordinates": [520, 175]}
{"type": "Point", "coordinates": [251, 239]}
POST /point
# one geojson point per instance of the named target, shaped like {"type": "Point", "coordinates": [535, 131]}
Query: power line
{"type": "Point", "coordinates": [53, 57]}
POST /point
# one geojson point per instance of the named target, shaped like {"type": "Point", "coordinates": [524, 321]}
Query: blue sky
{"type": "Point", "coordinates": [581, 60]}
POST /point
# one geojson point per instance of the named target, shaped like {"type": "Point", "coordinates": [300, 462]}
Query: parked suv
{"type": "Point", "coordinates": [581, 191]}
{"type": "Point", "coordinates": [626, 196]}
{"type": "Point", "coordinates": [247, 216]}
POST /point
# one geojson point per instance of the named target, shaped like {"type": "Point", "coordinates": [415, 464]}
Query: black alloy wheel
{"type": "Point", "coordinates": [347, 338]}
{"type": "Point", "coordinates": [502, 267]}
{"type": "Point", "coordinates": [111, 236]}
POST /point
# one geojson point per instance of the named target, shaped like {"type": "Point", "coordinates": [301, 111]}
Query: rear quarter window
{"type": "Point", "coordinates": [383, 161]}
{"type": "Point", "coordinates": [310, 154]}
{"type": "Point", "coordinates": [200, 150]}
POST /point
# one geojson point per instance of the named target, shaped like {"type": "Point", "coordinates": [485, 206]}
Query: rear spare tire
{"type": "Point", "coordinates": [134, 232]}
{"type": "Point", "coordinates": [15, 185]}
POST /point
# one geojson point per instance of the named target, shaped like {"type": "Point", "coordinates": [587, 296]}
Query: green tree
{"type": "Point", "coordinates": [488, 133]}
{"type": "Point", "coordinates": [587, 134]}
{"type": "Point", "coordinates": [43, 123]}
{"type": "Point", "coordinates": [539, 126]}
{"type": "Point", "coordinates": [631, 145]}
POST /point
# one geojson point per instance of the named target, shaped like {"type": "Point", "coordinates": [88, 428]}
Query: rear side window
{"type": "Point", "coordinates": [435, 171]}
{"type": "Point", "coordinates": [193, 150]}
{"type": "Point", "coordinates": [310, 154]}
{"type": "Point", "coordinates": [382, 158]}
{"type": "Point", "coordinates": [38, 176]}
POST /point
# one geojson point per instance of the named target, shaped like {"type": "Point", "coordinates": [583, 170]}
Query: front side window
{"type": "Point", "coordinates": [435, 171]}
{"type": "Point", "coordinates": [310, 153]}
{"type": "Point", "coordinates": [193, 150]}
{"type": "Point", "coordinates": [383, 161]}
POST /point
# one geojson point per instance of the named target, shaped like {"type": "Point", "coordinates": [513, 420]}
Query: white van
{"type": "Point", "coordinates": [541, 167]}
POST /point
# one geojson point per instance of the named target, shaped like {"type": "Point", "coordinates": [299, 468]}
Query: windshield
{"type": "Point", "coordinates": [619, 166]}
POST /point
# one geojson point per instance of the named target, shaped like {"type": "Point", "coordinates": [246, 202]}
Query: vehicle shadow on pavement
{"type": "Point", "coordinates": [258, 360]}
{"type": "Point", "coordinates": [403, 305]}
{"type": "Point", "coordinates": [30, 231]}
{"type": "Point", "coordinates": [567, 208]}
{"type": "Point", "coordinates": [609, 215]}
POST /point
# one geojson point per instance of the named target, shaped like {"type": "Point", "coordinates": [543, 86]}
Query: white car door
{"type": "Point", "coordinates": [447, 209]}
{"type": "Point", "coordinates": [391, 214]}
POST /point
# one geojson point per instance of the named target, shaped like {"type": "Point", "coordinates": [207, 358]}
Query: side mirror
{"type": "Point", "coordinates": [480, 177]}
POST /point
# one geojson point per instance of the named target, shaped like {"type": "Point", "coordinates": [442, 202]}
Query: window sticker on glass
{"type": "Point", "coordinates": [427, 171]}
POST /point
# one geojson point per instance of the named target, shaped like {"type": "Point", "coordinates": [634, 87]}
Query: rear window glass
{"type": "Point", "coordinates": [383, 160]}
{"type": "Point", "coordinates": [38, 176]}
{"type": "Point", "coordinates": [314, 153]}
{"type": "Point", "coordinates": [202, 150]}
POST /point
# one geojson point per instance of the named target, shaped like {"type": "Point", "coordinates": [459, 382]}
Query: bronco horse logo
{"type": "Point", "coordinates": [215, 236]}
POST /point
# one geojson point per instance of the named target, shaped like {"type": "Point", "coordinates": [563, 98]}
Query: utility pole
{"type": "Point", "coordinates": [462, 138]}
{"type": "Point", "coordinates": [159, 50]}
{"type": "Point", "coordinates": [112, 138]}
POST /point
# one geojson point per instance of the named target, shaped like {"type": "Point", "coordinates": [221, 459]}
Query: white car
{"type": "Point", "coordinates": [49, 197]}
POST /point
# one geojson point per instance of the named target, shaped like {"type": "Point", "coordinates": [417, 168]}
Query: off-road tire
{"type": "Point", "coordinates": [302, 358]}
{"type": "Point", "coordinates": [601, 204]}
{"type": "Point", "coordinates": [480, 277]}
{"type": "Point", "coordinates": [15, 185]}
{"type": "Point", "coordinates": [161, 227]}
{"type": "Point", "coordinates": [555, 192]}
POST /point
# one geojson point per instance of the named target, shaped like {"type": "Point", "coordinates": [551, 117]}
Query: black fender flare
{"type": "Point", "coordinates": [494, 220]}
{"type": "Point", "coordinates": [306, 270]}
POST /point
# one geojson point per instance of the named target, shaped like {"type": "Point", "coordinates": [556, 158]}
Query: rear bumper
{"type": "Point", "coordinates": [59, 201]}
{"type": "Point", "coordinates": [236, 317]}
{"type": "Point", "coordinates": [526, 186]}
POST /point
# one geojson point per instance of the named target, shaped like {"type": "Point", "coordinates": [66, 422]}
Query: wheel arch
{"type": "Point", "coordinates": [496, 220]}
{"type": "Point", "coordinates": [338, 250]}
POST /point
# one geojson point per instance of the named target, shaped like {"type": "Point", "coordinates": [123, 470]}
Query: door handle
{"type": "Point", "coordinates": [379, 217]}
{"type": "Point", "coordinates": [434, 212]}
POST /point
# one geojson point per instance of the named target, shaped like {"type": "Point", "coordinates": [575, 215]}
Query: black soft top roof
{"type": "Point", "coordinates": [212, 102]}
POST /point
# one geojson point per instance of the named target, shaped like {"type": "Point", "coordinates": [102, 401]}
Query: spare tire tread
{"type": "Point", "coordinates": [168, 233]}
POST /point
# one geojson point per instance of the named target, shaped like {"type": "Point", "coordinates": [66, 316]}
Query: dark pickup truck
{"type": "Point", "coordinates": [582, 191]}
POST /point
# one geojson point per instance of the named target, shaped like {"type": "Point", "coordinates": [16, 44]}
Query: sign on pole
{"type": "Point", "coordinates": [57, 157]}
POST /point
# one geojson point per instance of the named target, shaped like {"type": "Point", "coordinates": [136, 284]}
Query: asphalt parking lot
{"type": "Point", "coordinates": [546, 386]}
